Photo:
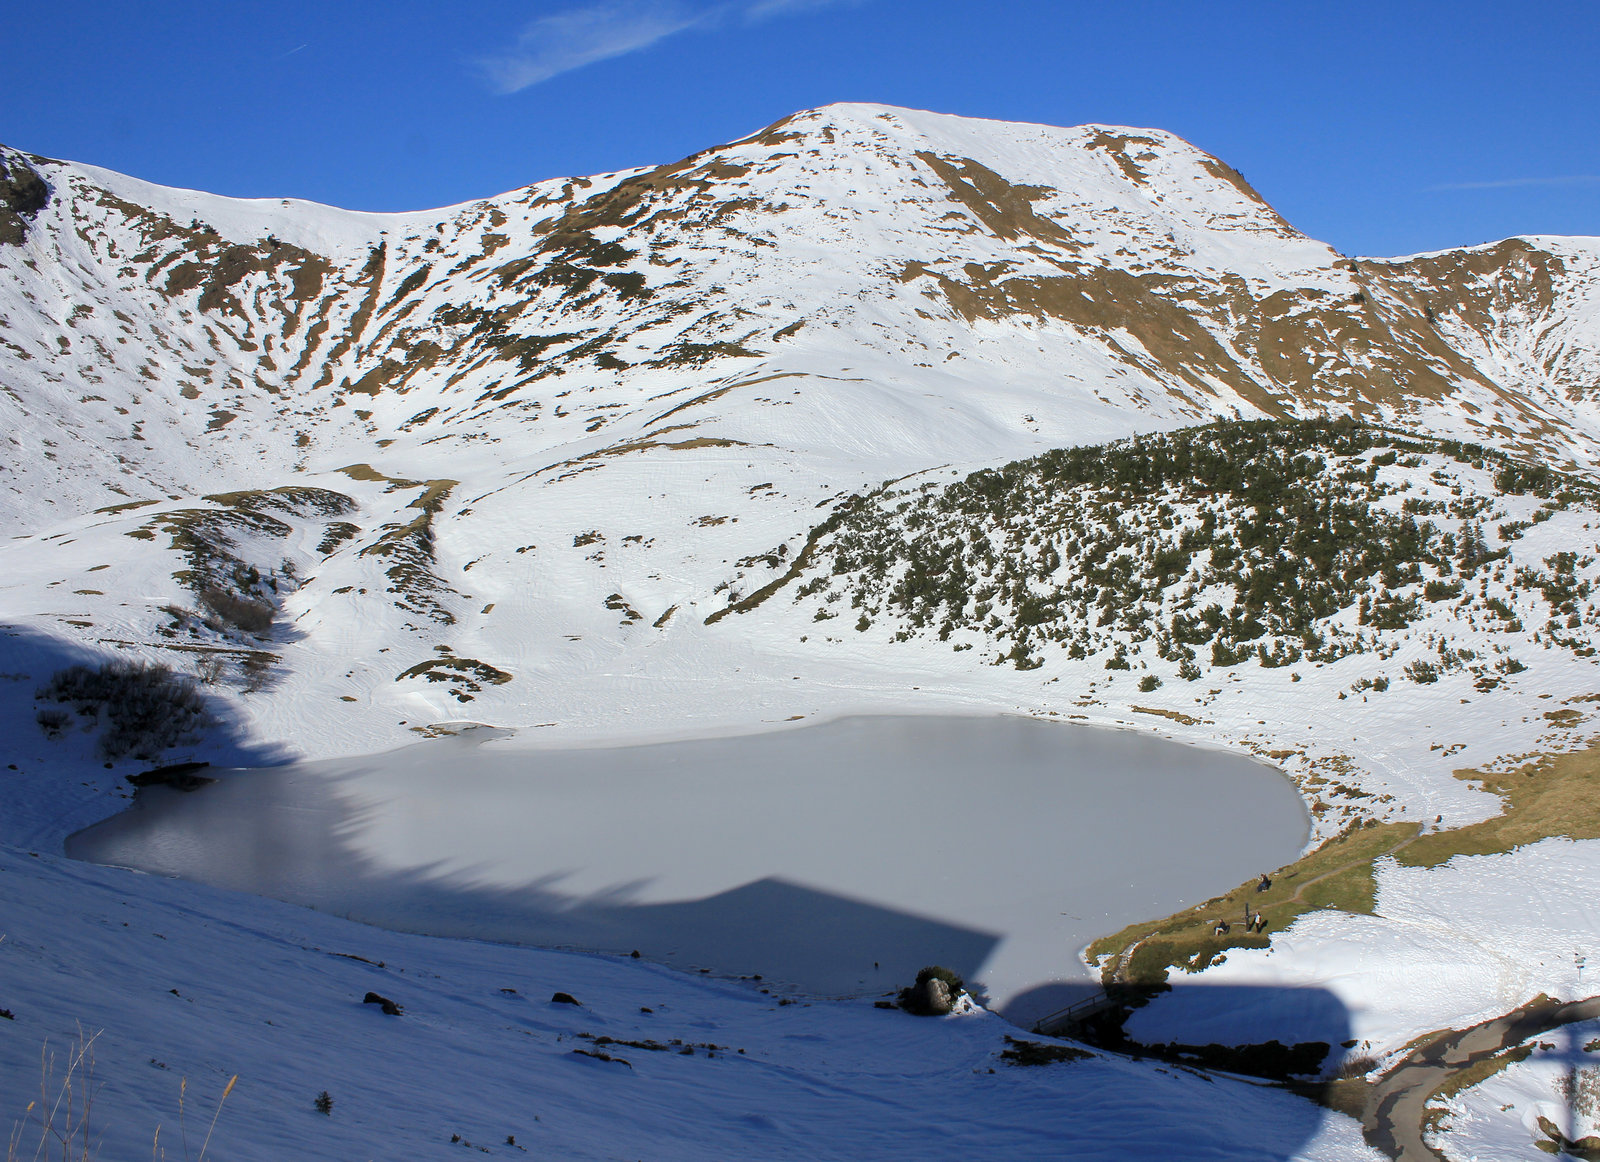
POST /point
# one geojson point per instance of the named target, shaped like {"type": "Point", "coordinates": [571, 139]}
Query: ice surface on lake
{"type": "Point", "coordinates": [837, 858]}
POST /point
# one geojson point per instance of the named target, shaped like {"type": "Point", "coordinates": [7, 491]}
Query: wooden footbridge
{"type": "Point", "coordinates": [1069, 1021]}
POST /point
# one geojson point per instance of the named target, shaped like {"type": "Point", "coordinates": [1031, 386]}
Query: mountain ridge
{"type": "Point", "coordinates": [1120, 278]}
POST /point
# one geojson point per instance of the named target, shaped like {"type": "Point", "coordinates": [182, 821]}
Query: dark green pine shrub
{"type": "Point", "coordinates": [1236, 543]}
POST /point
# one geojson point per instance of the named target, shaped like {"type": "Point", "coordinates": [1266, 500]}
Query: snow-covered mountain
{"type": "Point", "coordinates": [934, 287]}
{"type": "Point", "coordinates": [508, 422]}
{"type": "Point", "coordinates": [587, 459]}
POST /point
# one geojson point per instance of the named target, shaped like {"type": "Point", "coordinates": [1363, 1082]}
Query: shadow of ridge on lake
{"type": "Point", "coordinates": [787, 933]}
{"type": "Point", "coordinates": [258, 836]}
{"type": "Point", "coordinates": [255, 832]}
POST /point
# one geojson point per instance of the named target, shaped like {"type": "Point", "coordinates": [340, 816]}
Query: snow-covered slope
{"type": "Point", "coordinates": [189, 986]}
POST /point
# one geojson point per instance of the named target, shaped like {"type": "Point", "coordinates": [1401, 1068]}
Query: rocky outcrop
{"type": "Point", "coordinates": [178, 776]}
{"type": "Point", "coordinates": [390, 1008]}
{"type": "Point", "coordinates": [23, 193]}
{"type": "Point", "coordinates": [934, 994]}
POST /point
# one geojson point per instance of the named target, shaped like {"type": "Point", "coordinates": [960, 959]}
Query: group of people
{"type": "Point", "coordinates": [1253, 921]}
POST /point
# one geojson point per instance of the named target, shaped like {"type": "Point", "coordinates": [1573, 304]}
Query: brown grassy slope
{"type": "Point", "coordinates": [1551, 795]}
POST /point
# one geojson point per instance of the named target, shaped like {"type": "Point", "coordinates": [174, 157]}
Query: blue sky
{"type": "Point", "coordinates": [1383, 128]}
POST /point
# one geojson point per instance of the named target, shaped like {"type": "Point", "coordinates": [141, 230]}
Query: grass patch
{"type": "Point", "coordinates": [409, 548]}
{"type": "Point", "coordinates": [213, 543]}
{"type": "Point", "coordinates": [240, 612]}
{"type": "Point", "coordinates": [1039, 1053]}
{"type": "Point", "coordinates": [1337, 874]}
{"type": "Point", "coordinates": [368, 474]}
{"type": "Point", "coordinates": [801, 560]}
{"type": "Point", "coordinates": [1552, 795]}
{"type": "Point", "coordinates": [1175, 715]}
{"type": "Point", "coordinates": [225, 549]}
{"type": "Point", "coordinates": [296, 500]}
{"type": "Point", "coordinates": [699, 354]}
{"type": "Point", "coordinates": [1269, 1059]}
{"type": "Point", "coordinates": [1480, 1071]}
{"type": "Point", "coordinates": [644, 444]}
{"type": "Point", "coordinates": [1345, 1095]}
{"type": "Point", "coordinates": [338, 532]}
{"type": "Point", "coordinates": [113, 509]}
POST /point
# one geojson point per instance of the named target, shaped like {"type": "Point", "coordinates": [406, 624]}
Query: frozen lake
{"type": "Point", "coordinates": [836, 858]}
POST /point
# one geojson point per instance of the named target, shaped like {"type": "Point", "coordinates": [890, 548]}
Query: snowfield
{"type": "Point", "coordinates": [185, 982]}
{"type": "Point", "coordinates": [1449, 946]}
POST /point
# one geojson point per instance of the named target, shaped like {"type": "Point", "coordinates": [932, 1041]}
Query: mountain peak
{"type": "Point", "coordinates": [1073, 171]}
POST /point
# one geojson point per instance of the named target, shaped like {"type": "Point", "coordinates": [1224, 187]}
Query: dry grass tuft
{"type": "Point", "coordinates": [63, 1113]}
{"type": "Point", "coordinates": [62, 1116]}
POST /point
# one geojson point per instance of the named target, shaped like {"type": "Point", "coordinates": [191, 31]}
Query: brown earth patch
{"type": "Point", "coordinates": [1174, 715]}
{"type": "Point", "coordinates": [1006, 209]}
{"type": "Point", "coordinates": [1117, 147]}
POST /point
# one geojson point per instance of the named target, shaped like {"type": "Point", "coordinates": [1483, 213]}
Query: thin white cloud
{"type": "Point", "coordinates": [559, 43]}
{"type": "Point", "coordinates": [564, 41]}
{"type": "Point", "coordinates": [1581, 179]}
{"type": "Point", "coordinates": [761, 10]}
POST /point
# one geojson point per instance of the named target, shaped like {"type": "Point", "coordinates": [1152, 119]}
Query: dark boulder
{"type": "Point", "coordinates": [936, 1000]}
{"type": "Point", "coordinates": [934, 994]}
{"type": "Point", "coordinates": [178, 776]}
{"type": "Point", "coordinates": [389, 1007]}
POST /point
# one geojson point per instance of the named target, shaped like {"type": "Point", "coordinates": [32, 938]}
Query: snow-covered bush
{"type": "Point", "coordinates": [52, 721]}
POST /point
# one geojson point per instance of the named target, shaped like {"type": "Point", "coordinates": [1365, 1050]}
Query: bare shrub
{"type": "Point", "coordinates": [52, 721]}
{"type": "Point", "coordinates": [238, 611]}
{"type": "Point", "coordinates": [1581, 1090]}
{"type": "Point", "coordinates": [257, 670]}
{"type": "Point", "coordinates": [62, 1115]}
{"type": "Point", "coordinates": [1358, 1066]}
{"type": "Point", "coordinates": [183, 1089]}
{"type": "Point", "coordinates": [209, 669]}
{"type": "Point", "coordinates": [144, 709]}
